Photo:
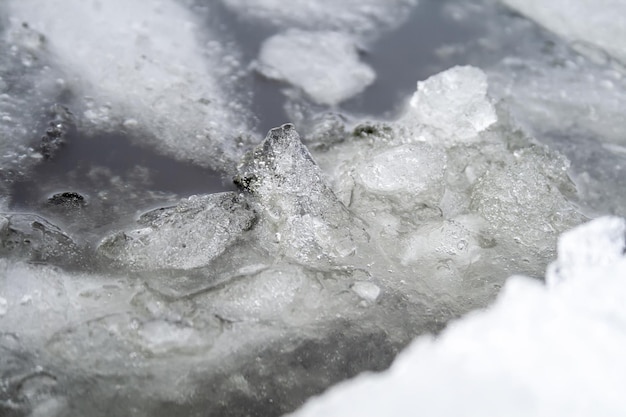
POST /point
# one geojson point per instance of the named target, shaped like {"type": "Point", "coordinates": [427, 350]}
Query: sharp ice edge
{"type": "Point", "coordinates": [151, 73]}
{"type": "Point", "coordinates": [526, 355]}
{"type": "Point", "coordinates": [324, 65]}
{"type": "Point", "coordinates": [305, 260]}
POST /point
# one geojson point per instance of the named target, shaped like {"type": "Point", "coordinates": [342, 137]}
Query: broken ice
{"type": "Point", "coordinates": [522, 356]}
{"type": "Point", "coordinates": [325, 65]}
{"type": "Point", "coordinates": [325, 262]}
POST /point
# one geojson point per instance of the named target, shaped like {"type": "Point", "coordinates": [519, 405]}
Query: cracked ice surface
{"type": "Point", "coordinates": [524, 355]}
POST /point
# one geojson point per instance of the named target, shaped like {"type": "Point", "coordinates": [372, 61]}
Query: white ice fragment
{"type": "Point", "coordinates": [325, 65]}
{"type": "Point", "coordinates": [598, 243]}
{"type": "Point", "coordinates": [455, 102]}
{"type": "Point", "coordinates": [600, 23]}
{"type": "Point", "coordinates": [528, 354]}
{"type": "Point", "coordinates": [366, 290]}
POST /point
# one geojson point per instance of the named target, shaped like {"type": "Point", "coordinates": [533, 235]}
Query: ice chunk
{"type": "Point", "coordinates": [413, 174]}
{"type": "Point", "coordinates": [32, 238]}
{"type": "Point", "coordinates": [525, 355]}
{"type": "Point", "coordinates": [587, 22]}
{"type": "Point", "coordinates": [151, 73]}
{"type": "Point", "coordinates": [525, 198]}
{"type": "Point", "coordinates": [186, 236]}
{"type": "Point", "coordinates": [325, 65]}
{"type": "Point", "coordinates": [352, 16]}
{"type": "Point", "coordinates": [454, 102]}
{"type": "Point", "coordinates": [300, 214]}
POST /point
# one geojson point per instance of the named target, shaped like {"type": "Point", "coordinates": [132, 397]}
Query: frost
{"type": "Point", "coordinates": [517, 357]}
{"type": "Point", "coordinates": [325, 65]}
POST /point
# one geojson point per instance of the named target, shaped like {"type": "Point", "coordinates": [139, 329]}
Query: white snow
{"type": "Point", "coordinates": [325, 65]}
{"type": "Point", "coordinates": [540, 350]}
{"type": "Point", "coordinates": [587, 23]}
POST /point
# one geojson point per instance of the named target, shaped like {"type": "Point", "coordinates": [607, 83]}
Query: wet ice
{"type": "Point", "coordinates": [324, 65]}
{"type": "Point", "coordinates": [326, 262]}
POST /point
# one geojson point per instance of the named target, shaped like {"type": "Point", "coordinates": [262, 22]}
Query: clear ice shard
{"type": "Point", "coordinates": [463, 91]}
{"type": "Point", "coordinates": [189, 235]}
{"type": "Point", "coordinates": [524, 355]}
{"type": "Point", "coordinates": [325, 65]}
{"type": "Point", "coordinates": [299, 213]}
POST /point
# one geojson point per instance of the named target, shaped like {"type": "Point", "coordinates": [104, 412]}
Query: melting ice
{"type": "Point", "coordinates": [342, 239]}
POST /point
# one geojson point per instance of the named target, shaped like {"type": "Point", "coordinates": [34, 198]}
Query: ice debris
{"type": "Point", "coordinates": [463, 91]}
{"type": "Point", "coordinates": [325, 65]}
{"type": "Point", "coordinates": [186, 236]}
{"type": "Point", "coordinates": [523, 356]}
{"type": "Point", "coordinates": [329, 268]}
{"type": "Point", "coordinates": [587, 24]}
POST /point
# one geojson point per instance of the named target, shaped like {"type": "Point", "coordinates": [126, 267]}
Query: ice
{"type": "Point", "coordinates": [352, 16]}
{"type": "Point", "coordinates": [325, 263]}
{"type": "Point", "coordinates": [33, 238]}
{"type": "Point", "coordinates": [328, 270]}
{"type": "Point", "coordinates": [462, 90]}
{"type": "Point", "coordinates": [325, 65]}
{"type": "Point", "coordinates": [150, 74]}
{"type": "Point", "coordinates": [586, 23]}
{"type": "Point", "coordinates": [300, 214]}
{"type": "Point", "coordinates": [525, 355]}
{"type": "Point", "coordinates": [186, 236]}
{"type": "Point", "coordinates": [570, 101]}
{"type": "Point", "coordinates": [26, 88]}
